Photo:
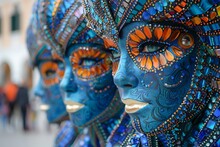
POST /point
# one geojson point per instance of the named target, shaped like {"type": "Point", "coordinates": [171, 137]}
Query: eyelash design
{"type": "Point", "coordinates": [49, 73]}
{"type": "Point", "coordinates": [155, 47]}
{"type": "Point", "coordinates": [89, 63]}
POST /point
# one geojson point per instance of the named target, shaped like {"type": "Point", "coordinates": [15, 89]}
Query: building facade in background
{"type": "Point", "coordinates": [14, 19]}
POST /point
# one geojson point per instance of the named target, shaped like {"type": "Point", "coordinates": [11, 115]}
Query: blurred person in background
{"type": "Point", "coordinates": [3, 108]}
{"type": "Point", "coordinates": [23, 103]}
{"type": "Point", "coordinates": [10, 89]}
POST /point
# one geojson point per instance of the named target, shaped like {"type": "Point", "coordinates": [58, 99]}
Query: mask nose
{"type": "Point", "coordinates": [39, 90]}
{"type": "Point", "coordinates": [68, 84]}
{"type": "Point", "coordinates": [124, 77]}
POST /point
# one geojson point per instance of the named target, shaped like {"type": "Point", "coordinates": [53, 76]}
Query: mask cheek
{"type": "Point", "coordinates": [81, 117]}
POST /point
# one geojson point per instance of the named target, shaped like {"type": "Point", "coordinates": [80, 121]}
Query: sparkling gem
{"type": "Point", "coordinates": [217, 51]}
{"type": "Point", "coordinates": [152, 11]}
{"type": "Point", "coordinates": [198, 73]}
{"type": "Point", "coordinates": [159, 7]}
{"type": "Point", "coordinates": [202, 135]}
{"type": "Point", "coordinates": [218, 143]}
{"type": "Point", "coordinates": [206, 71]}
{"type": "Point", "coordinates": [145, 15]}
{"type": "Point", "coordinates": [217, 112]}
{"type": "Point", "coordinates": [211, 124]}
{"type": "Point", "coordinates": [202, 83]}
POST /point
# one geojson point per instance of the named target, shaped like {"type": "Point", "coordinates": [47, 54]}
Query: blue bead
{"type": "Point", "coordinates": [215, 1]}
{"type": "Point", "coordinates": [202, 135]}
{"type": "Point", "coordinates": [190, 97]}
{"type": "Point", "coordinates": [164, 2]}
{"type": "Point", "coordinates": [206, 71]}
{"type": "Point", "coordinates": [146, 15]}
{"type": "Point", "coordinates": [202, 83]}
{"type": "Point", "coordinates": [217, 112]}
{"type": "Point", "coordinates": [159, 7]}
{"type": "Point", "coordinates": [218, 143]}
{"type": "Point", "coordinates": [152, 11]}
{"type": "Point", "coordinates": [211, 124]}
{"type": "Point", "coordinates": [198, 73]}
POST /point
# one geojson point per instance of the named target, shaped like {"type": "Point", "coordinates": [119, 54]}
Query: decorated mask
{"type": "Point", "coordinates": [51, 69]}
{"type": "Point", "coordinates": [165, 56]}
{"type": "Point", "coordinates": [90, 94]}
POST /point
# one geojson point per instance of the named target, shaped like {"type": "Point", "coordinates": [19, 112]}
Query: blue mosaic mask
{"type": "Point", "coordinates": [51, 71]}
{"type": "Point", "coordinates": [163, 53]}
{"type": "Point", "coordinates": [87, 82]}
{"type": "Point", "coordinates": [90, 93]}
{"type": "Point", "coordinates": [51, 68]}
{"type": "Point", "coordinates": [154, 76]}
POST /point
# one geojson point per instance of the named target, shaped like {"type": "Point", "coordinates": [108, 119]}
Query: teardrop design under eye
{"type": "Point", "coordinates": [169, 56]}
{"type": "Point", "coordinates": [149, 63]}
{"type": "Point", "coordinates": [163, 60]}
{"type": "Point", "coordinates": [156, 63]}
{"type": "Point", "coordinates": [177, 51]}
{"type": "Point", "coordinates": [143, 61]}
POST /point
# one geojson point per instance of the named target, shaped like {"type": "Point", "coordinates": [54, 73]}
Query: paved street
{"type": "Point", "coordinates": [16, 137]}
{"type": "Point", "coordinates": [30, 139]}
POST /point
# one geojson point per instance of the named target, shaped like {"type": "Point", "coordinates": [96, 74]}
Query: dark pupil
{"type": "Point", "coordinates": [50, 72]}
{"type": "Point", "coordinates": [186, 41]}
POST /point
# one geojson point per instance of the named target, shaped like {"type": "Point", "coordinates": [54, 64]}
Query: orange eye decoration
{"type": "Point", "coordinates": [154, 47]}
{"type": "Point", "coordinates": [109, 43]}
{"type": "Point", "coordinates": [90, 62]}
{"type": "Point", "coordinates": [49, 73]}
{"type": "Point", "coordinates": [59, 59]}
{"type": "Point", "coordinates": [60, 73]}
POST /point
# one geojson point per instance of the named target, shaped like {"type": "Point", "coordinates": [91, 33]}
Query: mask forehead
{"type": "Point", "coordinates": [63, 23]}
{"type": "Point", "coordinates": [202, 16]}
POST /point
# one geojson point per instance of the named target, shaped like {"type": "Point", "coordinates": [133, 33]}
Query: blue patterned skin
{"type": "Point", "coordinates": [83, 91]}
{"type": "Point", "coordinates": [163, 101]}
{"type": "Point", "coordinates": [51, 96]}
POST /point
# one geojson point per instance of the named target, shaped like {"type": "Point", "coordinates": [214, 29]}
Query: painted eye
{"type": "Point", "coordinates": [150, 48]}
{"type": "Point", "coordinates": [186, 41]}
{"type": "Point", "coordinates": [50, 73]}
{"type": "Point", "coordinates": [88, 62]}
{"type": "Point", "coordinates": [115, 55]}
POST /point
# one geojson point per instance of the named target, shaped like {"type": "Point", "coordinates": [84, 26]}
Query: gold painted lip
{"type": "Point", "coordinates": [72, 106]}
{"type": "Point", "coordinates": [132, 106]}
{"type": "Point", "coordinates": [44, 107]}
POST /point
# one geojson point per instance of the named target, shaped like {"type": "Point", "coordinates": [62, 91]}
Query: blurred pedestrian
{"type": "Point", "coordinates": [3, 108]}
{"type": "Point", "coordinates": [23, 103]}
{"type": "Point", "coordinates": [10, 90]}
